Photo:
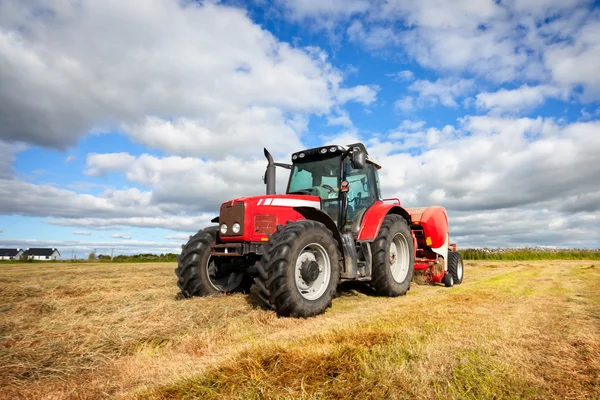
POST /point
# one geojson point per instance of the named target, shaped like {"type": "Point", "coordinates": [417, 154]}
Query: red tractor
{"type": "Point", "coordinates": [332, 225]}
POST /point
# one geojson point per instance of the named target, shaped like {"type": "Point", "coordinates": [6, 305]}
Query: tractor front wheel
{"type": "Point", "coordinates": [299, 270]}
{"type": "Point", "coordinates": [393, 257]}
{"type": "Point", "coordinates": [199, 274]}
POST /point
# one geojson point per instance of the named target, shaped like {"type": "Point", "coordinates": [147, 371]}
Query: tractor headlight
{"type": "Point", "coordinates": [223, 229]}
{"type": "Point", "coordinates": [236, 228]}
{"type": "Point", "coordinates": [332, 149]}
{"type": "Point", "coordinates": [323, 150]}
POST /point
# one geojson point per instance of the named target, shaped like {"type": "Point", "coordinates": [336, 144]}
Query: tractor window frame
{"type": "Point", "coordinates": [370, 173]}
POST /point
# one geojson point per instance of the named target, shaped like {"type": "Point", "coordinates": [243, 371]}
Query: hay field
{"type": "Point", "coordinates": [511, 330]}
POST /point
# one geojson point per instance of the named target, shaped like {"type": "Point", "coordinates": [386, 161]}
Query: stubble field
{"type": "Point", "coordinates": [511, 330]}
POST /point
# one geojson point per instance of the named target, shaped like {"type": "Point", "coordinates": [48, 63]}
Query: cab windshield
{"type": "Point", "coordinates": [320, 178]}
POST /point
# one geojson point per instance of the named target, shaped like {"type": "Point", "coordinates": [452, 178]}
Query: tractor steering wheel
{"type": "Point", "coordinates": [356, 201]}
{"type": "Point", "coordinates": [328, 187]}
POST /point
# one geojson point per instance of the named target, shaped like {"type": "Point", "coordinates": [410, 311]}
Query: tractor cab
{"type": "Point", "coordinates": [344, 178]}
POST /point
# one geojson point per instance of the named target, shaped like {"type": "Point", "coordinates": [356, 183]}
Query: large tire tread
{"type": "Point", "coordinates": [382, 282]}
{"type": "Point", "coordinates": [274, 282]}
{"type": "Point", "coordinates": [191, 279]}
{"type": "Point", "coordinates": [454, 258]}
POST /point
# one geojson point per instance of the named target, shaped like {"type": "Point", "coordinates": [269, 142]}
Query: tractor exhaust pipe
{"type": "Point", "coordinates": [270, 173]}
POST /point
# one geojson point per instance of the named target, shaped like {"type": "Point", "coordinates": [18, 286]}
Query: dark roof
{"type": "Point", "coordinates": [9, 252]}
{"type": "Point", "coordinates": [40, 252]}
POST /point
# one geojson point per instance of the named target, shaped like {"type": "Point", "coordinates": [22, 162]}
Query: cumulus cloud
{"type": "Point", "coordinates": [443, 91]}
{"type": "Point", "coordinates": [82, 233]}
{"type": "Point", "coordinates": [178, 70]}
{"type": "Point", "coordinates": [548, 40]}
{"type": "Point", "coordinates": [499, 163]}
{"type": "Point", "coordinates": [342, 118]}
{"type": "Point", "coordinates": [176, 182]}
{"type": "Point", "coordinates": [405, 75]}
{"type": "Point", "coordinates": [327, 12]}
{"type": "Point", "coordinates": [521, 99]}
{"type": "Point", "coordinates": [362, 94]}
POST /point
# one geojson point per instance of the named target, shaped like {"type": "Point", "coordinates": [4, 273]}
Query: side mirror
{"type": "Point", "coordinates": [359, 159]}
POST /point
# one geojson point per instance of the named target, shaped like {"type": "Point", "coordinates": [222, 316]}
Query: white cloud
{"type": "Point", "coordinates": [120, 236]}
{"type": "Point", "coordinates": [577, 61]}
{"type": "Point", "coordinates": [409, 125]}
{"type": "Point", "coordinates": [341, 119]}
{"type": "Point", "coordinates": [444, 91]}
{"type": "Point", "coordinates": [186, 183]}
{"type": "Point", "coordinates": [186, 68]}
{"type": "Point", "coordinates": [81, 233]}
{"type": "Point", "coordinates": [70, 158]}
{"type": "Point", "coordinates": [409, 137]}
{"type": "Point", "coordinates": [44, 200]}
{"type": "Point", "coordinates": [373, 37]}
{"type": "Point", "coordinates": [327, 12]}
{"type": "Point", "coordinates": [405, 104]}
{"type": "Point", "coordinates": [499, 163]}
{"type": "Point", "coordinates": [548, 41]}
{"type": "Point", "coordinates": [405, 75]}
{"type": "Point", "coordinates": [247, 132]}
{"type": "Point", "coordinates": [521, 99]}
{"type": "Point", "coordinates": [362, 94]}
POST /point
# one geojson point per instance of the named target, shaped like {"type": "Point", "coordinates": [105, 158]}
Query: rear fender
{"type": "Point", "coordinates": [373, 218]}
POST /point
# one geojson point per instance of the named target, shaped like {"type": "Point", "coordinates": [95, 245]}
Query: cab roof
{"type": "Point", "coordinates": [331, 150]}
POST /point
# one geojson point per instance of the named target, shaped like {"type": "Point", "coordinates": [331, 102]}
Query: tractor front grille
{"type": "Point", "coordinates": [230, 214]}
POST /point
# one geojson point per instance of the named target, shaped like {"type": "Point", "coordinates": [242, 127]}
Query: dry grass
{"type": "Point", "coordinates": [511, 330]}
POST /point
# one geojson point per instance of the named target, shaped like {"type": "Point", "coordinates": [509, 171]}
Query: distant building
{"type": "Point", "coordinates": [42, 254]}
{"type": "Point", "coordinates": [10, 254]}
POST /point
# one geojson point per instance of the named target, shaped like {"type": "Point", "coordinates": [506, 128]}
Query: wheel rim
{"type": "Point", "coordinates": [399, 258]}
{"type": "Point", "coordinates": [459, 270]}
{"type": "Point", "coordinates": [312, 290]}
{"type": "Point", "coordinates": [222, 281]}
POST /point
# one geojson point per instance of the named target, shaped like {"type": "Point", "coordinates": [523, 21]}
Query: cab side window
{"type": "Point", "coordinates": [362, 192]}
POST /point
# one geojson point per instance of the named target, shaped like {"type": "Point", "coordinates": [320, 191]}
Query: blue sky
{"type": "Point", "coordinates": [124, 125]}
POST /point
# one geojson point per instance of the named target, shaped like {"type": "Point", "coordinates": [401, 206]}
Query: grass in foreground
{"type": "Point", "coordinates": [97, 331]}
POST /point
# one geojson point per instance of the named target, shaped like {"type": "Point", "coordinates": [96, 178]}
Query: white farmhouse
{"type": "Point", "coordinates": [42, 254]}
{"type": "Point", "coordinates": [10, 254]}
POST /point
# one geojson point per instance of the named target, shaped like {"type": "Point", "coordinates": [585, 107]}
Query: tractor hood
{"type": "Point", "coordinates": [252, 219]}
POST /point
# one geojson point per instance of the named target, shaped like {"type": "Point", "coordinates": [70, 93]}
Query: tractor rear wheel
{"type": "Point", "coordinates": [199, 274]}
{"type": "Point", "coordinates": [299, 270]}
{"type": "Point", "coordinates": [393, 257]}
{"type": "Point", "coordinates": [455, 266]}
